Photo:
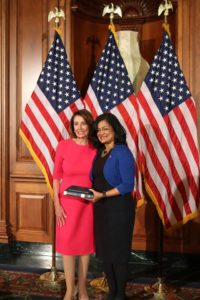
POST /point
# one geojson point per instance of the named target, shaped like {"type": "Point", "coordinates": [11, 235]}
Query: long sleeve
{"type": "Point", "coordinates": [126, 170]}
{"type": "Point", "coordinates": [119, 169]}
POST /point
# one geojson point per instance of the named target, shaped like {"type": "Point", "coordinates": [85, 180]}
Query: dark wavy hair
{"type": "Point", "coordinates": [120, 133]}
{"type": "Point", "coordinates": [87, 116]}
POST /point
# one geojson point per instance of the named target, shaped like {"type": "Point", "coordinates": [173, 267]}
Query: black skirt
{"type": "Point", "coordinates": [113, 220]}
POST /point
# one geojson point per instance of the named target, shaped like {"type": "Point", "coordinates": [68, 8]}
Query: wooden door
{"type": "Point", "coordinates": [30, 35]}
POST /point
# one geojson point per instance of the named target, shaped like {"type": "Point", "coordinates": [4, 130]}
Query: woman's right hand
{"type": "Point", "coordinates": [60, 214]}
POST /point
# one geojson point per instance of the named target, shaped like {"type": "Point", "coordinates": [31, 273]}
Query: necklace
{"type": "Point", "coordinates": [104, 152]}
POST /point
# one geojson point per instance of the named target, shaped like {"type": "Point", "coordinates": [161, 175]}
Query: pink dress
{"type": "Point", "coordinates": [73, 163]}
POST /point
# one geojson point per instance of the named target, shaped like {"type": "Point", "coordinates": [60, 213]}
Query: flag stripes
{"type": "Point", "coordinates": [168, 141]}
{"type": "Point", "coordinates": [47, 114]}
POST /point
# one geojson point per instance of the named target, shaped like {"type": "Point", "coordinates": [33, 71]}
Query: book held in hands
{"type": "Point", "coordinates": [79, 191]}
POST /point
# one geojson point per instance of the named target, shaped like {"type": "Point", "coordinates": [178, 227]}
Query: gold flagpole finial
{"type": "Point", "coordinates": [57, 14]}
{"type": "Point", "coordinates": [165, 7]}
{"type": "Point", "coordinates": [112, 11]}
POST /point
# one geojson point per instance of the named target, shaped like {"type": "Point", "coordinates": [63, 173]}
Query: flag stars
{"type": "Point", "coordinates": [113, 78]}
{"type": "Point", "coordinates": [57, 68]}
{"type": "Point", "coordinates": [166, 80]}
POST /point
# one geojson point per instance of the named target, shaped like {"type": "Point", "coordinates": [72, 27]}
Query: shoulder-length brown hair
{"type": "Point", "coordinates": [88, 118]}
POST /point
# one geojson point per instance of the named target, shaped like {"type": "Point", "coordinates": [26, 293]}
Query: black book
{"type": "Point", "coordinates": [79, 191]}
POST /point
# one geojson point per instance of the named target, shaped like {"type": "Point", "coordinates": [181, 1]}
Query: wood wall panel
{"type": "Point", "coordinates": [188, 46]}
{"type": "Point", "coordinates": [30, 38]}
{"type": "Point", "coordinates": [194, 45]}
{"type": "Point", "coordinates": [31, 214]}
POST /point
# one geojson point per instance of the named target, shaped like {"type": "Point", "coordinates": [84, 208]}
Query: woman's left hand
{"type": "Point", "coordinates": [97, 196]}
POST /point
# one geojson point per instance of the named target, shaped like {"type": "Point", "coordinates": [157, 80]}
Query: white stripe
{"type": "Point", "coordinates": [79, 103]}
{"type": "Point", "coordinates": [130, 141]}
{"type": "Point", "coordinates": [51, 111]}
{"type": "Point", "coordinates": [188, 117]}
{"type": "Point", "coordinates": [159, 151]}
{"type": "Point", "coordinates": [184, 144]}
{"type": "Point", "coordinates": [39, 142]}
{"type": "Point", "coordinates": [164, 130]}
{"type": "Point", "coordinates": [69, 113]}
{"type": "Point", "coordinates": [159, 184]}
{"type": "Point", "coordinates": [161, 155]}
{"type": "Point", "coordinates": [165, 164]}
{"type": "Point", "coordinates": [43, 123]}
{"type": "Point", "coordinates": [94, 101]}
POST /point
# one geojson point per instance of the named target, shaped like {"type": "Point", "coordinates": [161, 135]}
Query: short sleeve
{"type": "Point", "coordinates": [58, 170]}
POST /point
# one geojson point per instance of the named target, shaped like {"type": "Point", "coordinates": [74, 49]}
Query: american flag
{"type": "Point", "coordinates": [45, 120]}
{"type": "Point", "coordinates": [111, 91]}
{"type": "Point", "coordinates": [168, 139]}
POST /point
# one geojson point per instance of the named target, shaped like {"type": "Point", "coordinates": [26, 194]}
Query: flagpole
{"type": "Point", "coordinates": [53, 277]}
{"type": "Point", "coordinates": [160, 289]}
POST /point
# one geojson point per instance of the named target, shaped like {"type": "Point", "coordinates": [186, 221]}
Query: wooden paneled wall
{"type": "Point", "coordinates": [26, 211]}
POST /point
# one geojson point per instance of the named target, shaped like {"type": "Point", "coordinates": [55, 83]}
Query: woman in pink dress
{"type": "Point", "coordinates": [74, 215]}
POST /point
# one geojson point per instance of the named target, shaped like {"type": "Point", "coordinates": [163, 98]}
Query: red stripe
{"type": "Point", "coordinates": [191, 106]}
{"type": "Point", "coordinates": [47, 116]}
{"type": "Point", "coordinates": [187, 131]}
{"type": "Point", "coordinates": [161, 203]}
{"type": "Point", "coordinates": [65, 121]}
{"type": "Point", "coordinates": [165, 148]}
{"type": "Point", "coordinates": [162, 174]}
{"type": "Point", "coordinates": [182, 156]}
{"type": "Point", "coordinates": [89, 103]}
{"type": "Point", "coordinates": [40, 131]}
{"type": "Point", "coordinates": [129, 122]}
{"type": "Point", "coordinates": [73, 107]}
{"type": "Point", "coordinates": [37, 151]}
